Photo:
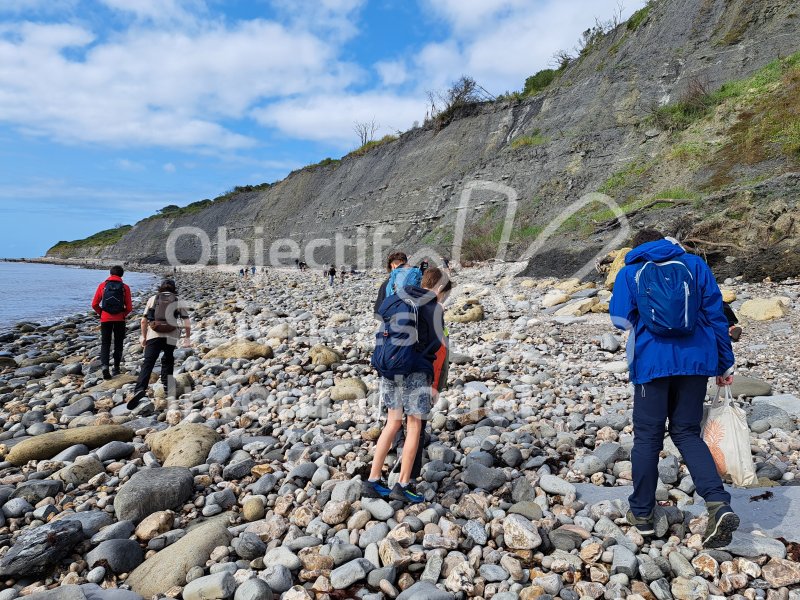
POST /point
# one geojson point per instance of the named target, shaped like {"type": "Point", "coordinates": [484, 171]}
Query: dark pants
{"type": "Point", "coordinates": [107, 330]}
{"type": "Point", "coordinates": [152, 350]}
{"type": "Point", "coordinates": [679, 399]}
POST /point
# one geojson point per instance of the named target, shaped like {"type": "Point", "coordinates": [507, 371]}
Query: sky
{"type": "Point", "coordinates": [113, 109]}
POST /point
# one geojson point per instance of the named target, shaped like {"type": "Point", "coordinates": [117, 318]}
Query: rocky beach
{"type": "Point", "coordinates": [246, 484]}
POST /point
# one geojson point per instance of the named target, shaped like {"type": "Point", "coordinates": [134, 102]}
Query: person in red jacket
{"type": "Point", "coordinates": [112, 301]}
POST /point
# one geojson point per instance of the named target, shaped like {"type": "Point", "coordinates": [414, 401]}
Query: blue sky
{"type": "Point", "coordinates": [112, 109]}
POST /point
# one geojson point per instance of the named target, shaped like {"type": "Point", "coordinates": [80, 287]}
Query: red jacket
{"type": "Point", "coordinates": [98, 298]}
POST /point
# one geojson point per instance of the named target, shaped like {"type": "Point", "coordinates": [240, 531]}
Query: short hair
{"type": "Point", "coordinates": [436, 280]}
{"type": "Point", "coordinates": [168, 285]}
{"type": "Point", "coordinates": [395, 257]}
{"type": "Point", "coordinates": [117, 270]}
{"type": "Point", "coordinates": [644, 236]}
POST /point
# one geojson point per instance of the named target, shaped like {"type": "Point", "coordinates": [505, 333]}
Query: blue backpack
{"type": "Point", "coordinates": [668, 298]}
{"type": "Point", "coordinates": [396, 343]}
{"type": "Point", "coordinates": [403, 277]}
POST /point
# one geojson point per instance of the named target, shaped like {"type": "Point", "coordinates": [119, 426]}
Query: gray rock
{"type": "Point", "coordinates": [264, 485]}
{"type": "Point", "coordinates": [277, 577]}
{"type": "Point", "coordinates": [589, 465]}
{"type": "Point", "coordinates": [475, 531]}
{"type": "Point", "coordinates": [378, 508]}
{"type": "Point", "coordinates": [528, 509]}
{"type": "Point", "coordinates": [610, 452]}
{"type": "Point", "coordinates": [114, 450]}
{"type": "Point", "coordinates": [668, 469]}
{"type": "Point", "coordinates": [152, 490]}
{"type": "Point", "coordinates": [349, 573]}
{"type": "Point", "coordinates": [81, 405]}
{"type": "Point", "coordinates": [249, 546]}
{"type": "Point", "coordinates": [493, 573]}
{"type": "Point", "coordinates": [486, 478]}
{"type": "Point", "coordinates": [423, 590]}
{"type": "Point", "coordinates": [118, 531]}
{"type": "Point", "coordinates": [753, 546]}
{"type": "Point", "coordinates": [238, 470]}
{"type": "Point", "coordinates": [253, 589]}
{"type": "Point", "coordinates": [609, 342]}
{"type": "Point", "coordinates": [17, 507]}
{"type": "Point", "coordinates": [211, 587]}
{"type": "Point", "coordinates": [373, 534]}
{"type": "Point", "coordinates": [787, 402]}
{"type": "Point", "coordinates": [219, 453]}
{"type": "Point", "coordinates": [71, 453]}
{"type": "Point", "coordinates": [37, 549]}
{"type": "Point", "coordinates": [121, 556]}
{"type": "Point", "coordinates": [35, 491]}
{"type": "Point", "coordinates": [282, 556]}
{"type": "Point", "coordinates": [91, 521]}
{"type": "Point", "coordinates": [555, 485]}
{"type": "Point", "coordinates": [64, 592]}
{"type": "Point", "coordinates": [512, 456]}
{"type": "Point", "coordinates": [342, 553]}
{"type": "Point", "coordinates": [624, 562]}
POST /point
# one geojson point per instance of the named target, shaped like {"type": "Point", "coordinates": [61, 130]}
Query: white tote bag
{"type": "Point", "coordinates": [728, 437]}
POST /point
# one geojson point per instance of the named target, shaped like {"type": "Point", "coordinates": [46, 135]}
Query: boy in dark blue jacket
{"type": "Point", "coordinates": [670, 376]}
{"type": "Point", "coordinates": [413, 329]}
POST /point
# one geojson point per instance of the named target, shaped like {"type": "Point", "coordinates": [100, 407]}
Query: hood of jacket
{"type": "Point", "coordinates": [657, 251]}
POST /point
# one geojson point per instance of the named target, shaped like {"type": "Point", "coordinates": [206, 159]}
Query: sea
{"type": "Point", "coordinates": [43, 293]}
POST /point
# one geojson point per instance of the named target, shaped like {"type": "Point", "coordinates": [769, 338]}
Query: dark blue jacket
{"type": "Point", "coordinates": [707, 351]}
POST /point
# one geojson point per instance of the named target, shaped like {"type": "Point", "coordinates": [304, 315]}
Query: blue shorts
{"type": "Point", "coordinates": [409, 393]}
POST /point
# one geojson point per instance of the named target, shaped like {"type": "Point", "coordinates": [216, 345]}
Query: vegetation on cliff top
{"type": "Point", "coordinates": [107, 237]}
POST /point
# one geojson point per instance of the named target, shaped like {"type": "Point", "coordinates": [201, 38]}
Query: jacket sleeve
{"type": "Point", "coordinates": [622, 307]}
{"type": "Point", "coordinates": [98, 297]}
{"type": "Point", "coordinates": [128, 300]}
{"type": "Point", "coordinates": [714, 314]}
{"type": "Point", "coordinates": [381, 296]}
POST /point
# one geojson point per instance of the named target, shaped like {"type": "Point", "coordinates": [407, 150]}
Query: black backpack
{"type": "Point", "coordinates": [163, 316]}
{"type": "Point", "coordinates": [113, 297]}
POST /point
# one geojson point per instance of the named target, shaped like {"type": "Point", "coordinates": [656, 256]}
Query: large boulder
{"type": "Point", "coordinates": [352, 388]}
{"type": "Point", "coordinates": [323, 355]}
{"type": "Point", "coordinates": [153, 490]}
{"type": "Point", "coordinates": [185, 445]}
{"type": "Point", "coordinates": [168, 568]}
{"type": "Point", "coordinates": [765, 309]}
{"type": "Point", "coordinates": [616, 266]}
{"type": "Point", "coordinates": [38, 549]}
{"type": "Point", "coordinates": [47, 445]}
{"type": "Point", "coordinates": [281, 331]}
{"type": "Point", "coordinates": [468, 311]}
{"type": "Point", "coordinates": [577, 308]}
{"type": "Point", "coordinates": [241, 349]}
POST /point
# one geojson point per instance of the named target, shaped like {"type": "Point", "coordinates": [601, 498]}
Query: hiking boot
{"type": "Point", "coordinates": [115, 372]}
{"type": "Point", "coordinates": [644, 525]}
{"type": "Point", "coordinates": [136, 399]}
{"type": "Point", "coordinates": [722, 522]}
{"type": "Point", "coordinates": [736, 333]}
{"type": "Point", "coordinates": [406, 494]}
{"type": "Point", "coordinates": [106, 373]}
{"type": "Point", "coordinates": [374, 489]}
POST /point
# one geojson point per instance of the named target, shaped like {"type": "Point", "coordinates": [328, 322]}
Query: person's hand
{"type": "Point", "coordinates": [142, 341]}
{"type": "Point", "coordinates": [723, 380]}
{"type": "Point", "coordinates": [187, 343]}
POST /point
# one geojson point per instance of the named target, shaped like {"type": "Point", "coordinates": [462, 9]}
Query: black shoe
{"type": "Point", "coordinates": [722, 522]}
{"type": "Point", "coordinates": [115, 372]}
{"type": "Point", "coordinates": [106, 374]}
{"type": "Point", "coordinates": [644, 525]}
{"type": "Point", "coordinates": [406, 494]}
{"type": "Point", "coordinates": [374, 489]}
{"type": "Point", "coordinates": [137, 397]}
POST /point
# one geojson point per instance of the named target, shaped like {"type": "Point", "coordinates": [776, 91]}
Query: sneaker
{"type": "Point", "coordinates": [722, 522]}
{"type": "Point", "coordinates": [137, 397]}
{"type": "Point", "coordinates": [374, 489]}
{"type": "Point", "coordinates": [106, 373]}
{"type": "Point", "coordinates": [644, 525]}
{"type": "Point", "coordinates": [406, 494]}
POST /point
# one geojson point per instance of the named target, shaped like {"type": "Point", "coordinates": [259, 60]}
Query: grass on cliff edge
{"type": "Point", "coordinates": [108, 237]}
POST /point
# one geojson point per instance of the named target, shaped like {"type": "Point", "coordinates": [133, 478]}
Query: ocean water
{"type": "Point", "coordinates": [45, 293]}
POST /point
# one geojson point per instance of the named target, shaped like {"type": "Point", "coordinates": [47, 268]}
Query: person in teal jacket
{"type": "Point", "coordinates": [670, 377]}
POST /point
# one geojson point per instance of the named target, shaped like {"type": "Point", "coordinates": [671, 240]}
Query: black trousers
{"type": "Point", "coordinates": [152, 350]}
{"type": "Point", "coordinates": [109, 329]}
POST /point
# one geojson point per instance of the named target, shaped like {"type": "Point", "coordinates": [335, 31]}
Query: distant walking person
{"type": "Point", "coordinates": [331, 275]}
{"type": "Point", "coordinates": [164, 322]}
{"type": "Point", "coordinates": [342, 273]}
{"type": "Point", "coordinates": [112, 301]}
{"type": "Point", "coordinates": [670, 302]}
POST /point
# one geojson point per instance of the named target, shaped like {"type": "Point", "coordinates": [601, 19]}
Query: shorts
{"type": "Point", "coordinates": [410, 393]}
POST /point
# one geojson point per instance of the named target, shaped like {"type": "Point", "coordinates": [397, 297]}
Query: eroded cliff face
{"type": "Point", "coordinates": [594, 124]}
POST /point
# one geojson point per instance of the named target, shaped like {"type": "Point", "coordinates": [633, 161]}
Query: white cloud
{"type": "Point", "coordinates": [501, 42]}
{"type": "Point", "coordinates": [332, 118]}
{"type": "Point", "coordinates": [392, 72]}
{"type": "Point", "coordinates": [161, 11]}
{"type": "Point", "coordinates": [157, 87]}
{"type": "Point", "coordinates": [169, 167]}
{"type": "Point", "coordinates": [129, 165]}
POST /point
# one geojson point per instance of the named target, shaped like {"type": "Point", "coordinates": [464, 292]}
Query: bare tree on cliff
{"type": "Point", "coordinates": [365, 130]}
